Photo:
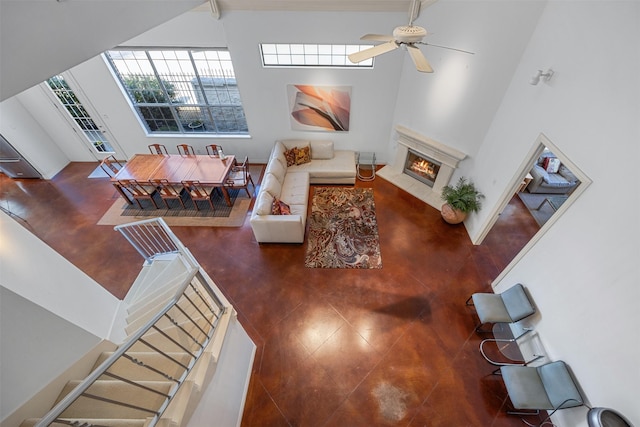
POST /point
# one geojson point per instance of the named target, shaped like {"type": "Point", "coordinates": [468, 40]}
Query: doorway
{"type": "Point", "coordinates": [92, 133]}
{"type": "Point", "coordinates": [541, 145]}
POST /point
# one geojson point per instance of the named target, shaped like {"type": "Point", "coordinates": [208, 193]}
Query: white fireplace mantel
{"type": "Point", "coordinates": [448, 157]}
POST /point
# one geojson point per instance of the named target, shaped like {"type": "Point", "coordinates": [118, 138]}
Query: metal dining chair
{"type": "Point", "coordinates": [158, 149]}
{"type": "Point", "coordinates": [547, 387]}
{"type": "Point", "coordinates": [185, 150]}
{"type": "Point", "coordinates": [510, 306]}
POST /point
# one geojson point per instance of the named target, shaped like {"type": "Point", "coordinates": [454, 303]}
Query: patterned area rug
{"type": "Point", "coordinates": [343, 231]}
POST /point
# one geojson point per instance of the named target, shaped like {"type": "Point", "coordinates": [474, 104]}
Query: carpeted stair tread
{"type": "Point", "coordinates": [128, 369]}
{"type": "Point", "coordinates": [159, 340]}
{"type": "Point", "coordinates": [85, 407]}
{"type": "Point", "coordinates": [157, 273]}
{"type": "Point", "coordinates": [107, 422]}
{"type": "Point", "coordinates": [171, 277]}
{"type": "Point", "coordinates": [148, 274]}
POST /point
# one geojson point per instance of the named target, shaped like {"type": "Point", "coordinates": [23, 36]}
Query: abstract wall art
{"type": "Point", "coordinates": [319, 108]}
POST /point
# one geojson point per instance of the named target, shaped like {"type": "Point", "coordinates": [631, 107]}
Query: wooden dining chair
{"type": "Point", "coordinates": [167, 191]}
{"type": "Point", "coordinates": [185, 150]}
{"type": "Point", "coordinates": [139, 191]}
{"type": "Point", "coordinates": [110, 165]}
{"type": "Point", "coordinates": [198, 192]}
{"type": "Point", "coordinates": [212, 150]}
{"type": "Point", "coordinates": [158, 149]}
{"type": "Point", "coordinates": [239, 177]}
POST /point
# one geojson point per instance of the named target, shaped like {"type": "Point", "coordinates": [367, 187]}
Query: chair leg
{"type": "Point", "coordinates": [469, 301]}
{"type": "Point", "coordinates": [482, 331]}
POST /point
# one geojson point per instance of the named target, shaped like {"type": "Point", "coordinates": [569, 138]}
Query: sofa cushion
{"type": "Point", "coordinates": [263, 203]}
{"type": "Point", "coordinates": [303, 155]}
{"type": "Point", "coordinates": [321, 150]}
{"type": "Point", "coordinates": [277, 169]}
{"type": "Point", "coordinates": [342, 165]}
{"type": "Point", "coordinates": [291, 143]}
{"type": "Point", "coordinates": [567, 174]}
{"type": "Point", "coordinates": [556, 180]}
{"type": "Point", "coordinates": [271, 185]}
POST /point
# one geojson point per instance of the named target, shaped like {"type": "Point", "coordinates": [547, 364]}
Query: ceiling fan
{"type": "Point", "coordinates": [408, 36]}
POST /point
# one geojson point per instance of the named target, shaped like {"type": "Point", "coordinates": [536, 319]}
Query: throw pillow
{"type": "Point", "coordinates": [552, 164]}
{"type": "Point", "coordinates": [284, 208]}
{"type": "Point", "coordinates": [303, 155]}
{"type": "Point", "coordinates": [278, 207]}
{"type": "Point", "coordinates": [291, 156]}
{"type": "Point", "coordinates": [275, 207]}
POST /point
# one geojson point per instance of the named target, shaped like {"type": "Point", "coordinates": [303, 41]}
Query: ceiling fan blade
{"type": "Point", "coordinates": [419, 59]}
{"type": "Point", "coordinates": [377, 37]}
{"type": "Point", "coordinates": [373, 51]}
{"type": "Point", "coordinates": [447, 47]}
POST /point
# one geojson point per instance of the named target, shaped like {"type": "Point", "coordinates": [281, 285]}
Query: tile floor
{"type": "Point", "coordinates": [388, 347]}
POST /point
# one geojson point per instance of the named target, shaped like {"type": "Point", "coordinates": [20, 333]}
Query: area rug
{"type": "Point", "coordinates": [122, 213]}
{"type": "Point", "coordinates": [532, 202]}
{"type": "Point", "coordinates": [343, 231]}
{"type": "Point", "coordinates": [222, 216]}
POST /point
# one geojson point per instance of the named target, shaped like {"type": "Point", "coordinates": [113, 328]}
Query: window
{"type": "Point", "coordinates": [311, 55]}
{"type": "Point", "coordinates": [181, 91]}
{"type": "Point", "coordinates": [79, 114]}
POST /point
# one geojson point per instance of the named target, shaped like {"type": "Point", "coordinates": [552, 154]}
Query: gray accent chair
{"type": "Point", "coordinates": [509, 306]}
{"type": "Point", "coordinates": [547, 387]}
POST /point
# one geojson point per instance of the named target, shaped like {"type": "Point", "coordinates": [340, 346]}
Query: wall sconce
{"type": "Point", "coordinates": [546, 76]}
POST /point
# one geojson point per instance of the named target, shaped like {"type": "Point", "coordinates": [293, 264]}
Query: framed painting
{"type": "Point", "coordinates": [319, 108]}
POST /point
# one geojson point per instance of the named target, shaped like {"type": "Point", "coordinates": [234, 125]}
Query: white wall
{"type": "Point", "coordinates": [21, 128]}
{"type": "Point", "coordinates": [263, 91]}
{"type": "Point", "coordinates": [456, 103]}
{"type": "Point", "coordinates": [53, 311]}
{"type": "Point", "coordinates": [584, 273]}
{"type": "Point", "coordinates": [35, 35]}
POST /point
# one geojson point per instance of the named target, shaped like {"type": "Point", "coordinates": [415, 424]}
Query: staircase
{"type": "Point", "coordinates": [176, 323]}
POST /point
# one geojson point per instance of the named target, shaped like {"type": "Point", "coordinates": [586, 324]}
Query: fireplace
{"type": "Point", "coordinates": [421, 167]}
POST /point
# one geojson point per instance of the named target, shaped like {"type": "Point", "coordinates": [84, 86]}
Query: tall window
{"type": "Point", "coordinates": [181, 91]}
{"type": "Point", "coordinates": [312, 55]}
{"type": "Point", "coordinates": [79, 114]}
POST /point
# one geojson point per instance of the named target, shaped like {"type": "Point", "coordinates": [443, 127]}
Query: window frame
{"type": "Point", "coordinates": [312, 55]}
{"type": "Point", "coordinates": [183, 100]}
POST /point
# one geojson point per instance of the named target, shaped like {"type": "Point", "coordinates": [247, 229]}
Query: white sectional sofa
{"type": "Point", "coordinates": [290, 184]}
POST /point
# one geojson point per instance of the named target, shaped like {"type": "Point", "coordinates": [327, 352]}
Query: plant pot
{"type": "Point", "coordinates": [451, 215]}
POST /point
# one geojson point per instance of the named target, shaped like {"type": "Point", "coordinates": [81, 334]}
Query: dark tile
{"type": "Point", "coordinates": [385, 347]}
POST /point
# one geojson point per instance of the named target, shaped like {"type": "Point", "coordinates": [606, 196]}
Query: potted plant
{"type": "Point", "coordinates": [460, 200]}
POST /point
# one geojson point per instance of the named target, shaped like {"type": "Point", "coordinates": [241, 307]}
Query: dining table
{"type": "Point", "coordinates": [175, 168]}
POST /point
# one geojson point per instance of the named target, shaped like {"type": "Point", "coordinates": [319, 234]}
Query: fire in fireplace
{"type": "Point", "coordinates": [421, 167]}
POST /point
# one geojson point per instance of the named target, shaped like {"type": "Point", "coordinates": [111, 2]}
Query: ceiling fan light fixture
{"type": "Point", "coordinates": [409, 33]}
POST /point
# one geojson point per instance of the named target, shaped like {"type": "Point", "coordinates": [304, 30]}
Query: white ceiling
{"type": "Point", "coordinates": [316, 5]}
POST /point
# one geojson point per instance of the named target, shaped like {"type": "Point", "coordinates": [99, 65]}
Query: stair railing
{"type": "Point", "coordinates": [194, 310]}
{"type": "Point", "coordinates": [150, 237]}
